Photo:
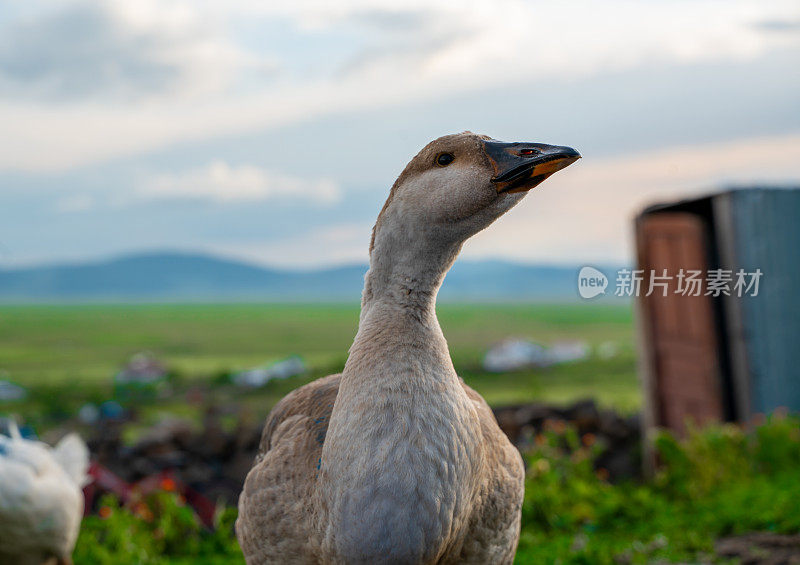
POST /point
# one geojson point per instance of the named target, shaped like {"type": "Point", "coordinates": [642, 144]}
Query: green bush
{"type": "Point", "coordinates": [158, 529]}
{"type": "Point", "coordinates": [718, 481]}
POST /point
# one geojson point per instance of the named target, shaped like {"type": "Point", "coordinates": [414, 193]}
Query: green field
{"type": "Point", "coordinates": [721, 482]}
{"type": "Point", "coordinates": [72, 352]}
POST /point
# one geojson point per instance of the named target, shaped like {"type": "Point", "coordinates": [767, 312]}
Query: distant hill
{"type": "Point", "coordinates": [189, 277]}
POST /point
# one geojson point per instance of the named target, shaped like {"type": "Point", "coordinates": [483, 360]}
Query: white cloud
{"type": "Point", "coordinates": [582, 214]}
{"type": "Point", "coordinates": [113, 51]}
{"type": "Point", "coordinates": [220, 182]}
{"type": "Point", "coordinates": [404, 52]}
{"type": "Point", "coordinates": [335, 244]}
{"type": "Point", "coordinates": [586, 212]}
{"type": "Point", "coordinates": [487, 39]}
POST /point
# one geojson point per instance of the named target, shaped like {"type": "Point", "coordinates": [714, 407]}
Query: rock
{"type": "Point", "coordinates": [534, 414]}
{"type": "Point", "coordinates": [613, 425]}
{"type": "Point", "coordinates": [585, 415]}
{"type": "Point", "coordinates": [763, 548]}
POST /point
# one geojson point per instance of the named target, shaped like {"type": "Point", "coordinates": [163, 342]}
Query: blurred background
{"type": "Point", "coordinates": [187, 191]}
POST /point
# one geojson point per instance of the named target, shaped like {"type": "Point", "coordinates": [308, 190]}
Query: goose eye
{"type": "Point", "coordinates": [444, 159]}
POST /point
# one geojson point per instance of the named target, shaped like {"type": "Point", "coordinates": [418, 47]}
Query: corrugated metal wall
{"type": "Point", "coordinates": [766, 232]}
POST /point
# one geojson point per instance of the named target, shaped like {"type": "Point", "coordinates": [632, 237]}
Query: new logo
{"type": "Point", "coordinates": [591, 282]}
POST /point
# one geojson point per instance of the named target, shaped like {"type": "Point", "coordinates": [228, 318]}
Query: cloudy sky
{"type": "Point", "coordinates": [273, 131]}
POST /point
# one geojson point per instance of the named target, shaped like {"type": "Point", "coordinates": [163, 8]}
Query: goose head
{"type": "Point", "coordinates": [452, 189]}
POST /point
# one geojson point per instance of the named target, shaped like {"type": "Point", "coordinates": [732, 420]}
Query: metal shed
{"type": "Point", "coordinates": [720, 354]}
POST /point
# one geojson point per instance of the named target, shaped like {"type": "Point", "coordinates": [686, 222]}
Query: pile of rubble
{"type": "Point", "coordinates": [616, 437]}
{"type": "Point", "coordinates": [208, 464]}
{"type": "Point", "coordinates": [210, 461]}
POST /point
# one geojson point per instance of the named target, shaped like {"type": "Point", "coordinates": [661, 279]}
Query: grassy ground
{"type": "Point", "coordinates": [67, 355]}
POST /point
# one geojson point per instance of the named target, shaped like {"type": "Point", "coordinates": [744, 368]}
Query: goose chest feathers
{"type": "Point", "coordinates": [396, 460]}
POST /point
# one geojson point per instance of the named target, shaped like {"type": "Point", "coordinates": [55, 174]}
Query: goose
{"type": "Point", "coordinates": [41, 501]}
{"type": "Point", "coordinates": [396, 460]}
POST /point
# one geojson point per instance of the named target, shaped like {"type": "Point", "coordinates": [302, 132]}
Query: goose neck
{"type": "Point", "coordinates": [407, 280]}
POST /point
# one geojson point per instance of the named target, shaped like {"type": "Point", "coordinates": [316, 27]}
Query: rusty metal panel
{"type": "Point", "coordinates": [681, 332]}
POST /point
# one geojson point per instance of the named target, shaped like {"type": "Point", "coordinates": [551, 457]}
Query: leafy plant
{"type": "Point", "coordinates": [158, 529]}
{"type": "Point", "coordinates": [718, 481]}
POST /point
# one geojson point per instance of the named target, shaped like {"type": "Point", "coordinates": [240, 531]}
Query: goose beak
{"type": "Point", "coordinates": [520, 166]}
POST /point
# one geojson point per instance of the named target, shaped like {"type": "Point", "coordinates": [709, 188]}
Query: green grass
{"type": "Point", "coordinates": [67, 355]}
{"type": "Point", "coordinates": [50, 344]}
{"type": "Point", "coordinates": [41, 344]}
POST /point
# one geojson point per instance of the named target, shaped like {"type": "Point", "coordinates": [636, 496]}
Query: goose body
{"type": "Point", "coordinates": [41, 501]}
{"type": "Point", "coordinates": [396, 460]}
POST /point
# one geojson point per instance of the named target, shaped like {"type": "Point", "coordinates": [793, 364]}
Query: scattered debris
{"type": "Point", "coordinates": [143, 378]}
{"type": "Point", "coordinates": [105, 481]}
{"type": "Point", "coordinates": [290, 367]}
{"type": "Point", "coordinates": [567, 351]}
{"type": "Point", "coordinates": [89, 414]}
{"type": "Point", "coordinates": [11, 392]}
{"type": "Point", "coordinates": [111, 410]}
{"type": "Point", "coordinates": [207, 459]}
{"type": "Point", "coordinates": [616, 436]}
{"type": "Point", "coordinates": [513, 355]}
{"type": "Point", "coordinates": [607, 350]}
{"type": "Point", "coordinates": [143, 368]}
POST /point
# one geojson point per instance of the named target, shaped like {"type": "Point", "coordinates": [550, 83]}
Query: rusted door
{"type": "Point", "coordinates": [680, 331]}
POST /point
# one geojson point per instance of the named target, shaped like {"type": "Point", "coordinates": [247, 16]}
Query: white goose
{"type": "Point", "coordinates": [41, 502]}
{"type": "Point", "coordinates": [396, 460]}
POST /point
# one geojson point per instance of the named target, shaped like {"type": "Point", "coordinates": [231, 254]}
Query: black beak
{"type": "Point", "coordinates": [521, 166]}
